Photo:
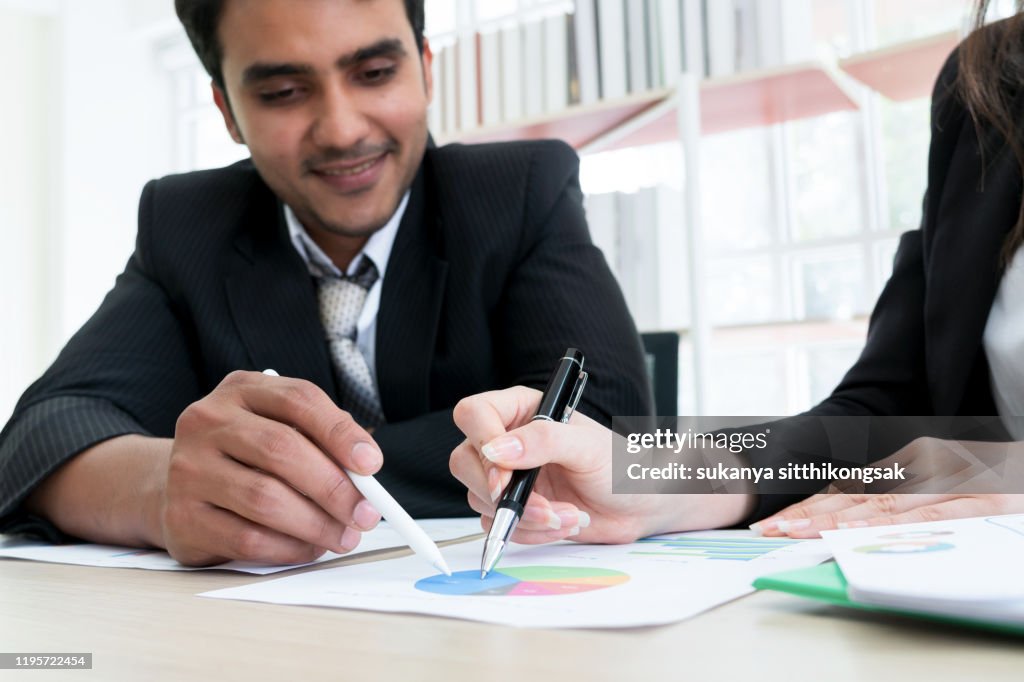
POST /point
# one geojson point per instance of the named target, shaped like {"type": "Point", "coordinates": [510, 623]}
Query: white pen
{"type": "Point", "coordinates": [382, 501]}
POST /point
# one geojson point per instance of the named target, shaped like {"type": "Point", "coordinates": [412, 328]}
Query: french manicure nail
{"type": "Point", "coordinates": [553, 521]}
{"type": "Point", "coordinates": [796, 524]}
{"type": "Point", "coordinates": [366, 457]}
{"type": "Point", "coordinates": [568, 519]}
{"type": "Point", "coordinates": [843, 525]}
{"type": "Point", "coordinates": [350, 538]}
{"type": "Point", "coordinates": [575, 531]}
{"type": "Point", "coordinates": [764, 526]}
{"type": "Point", "coordinates": [584, 520]}
{"type": "Point", "coordinates": [503, 450]}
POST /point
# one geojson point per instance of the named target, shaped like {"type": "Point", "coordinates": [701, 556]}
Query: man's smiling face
{"type": "Point", "coordinates": [331, 98]}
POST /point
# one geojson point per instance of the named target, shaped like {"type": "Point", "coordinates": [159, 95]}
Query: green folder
{"type": "Point", "coordinates": [826, 582]}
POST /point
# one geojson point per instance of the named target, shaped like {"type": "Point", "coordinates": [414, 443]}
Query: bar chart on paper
{"type": "Point", "coordinates": [710, 549]}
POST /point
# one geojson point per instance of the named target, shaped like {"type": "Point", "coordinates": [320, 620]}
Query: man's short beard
{"type": "Point", "coordinates": [345, 231]}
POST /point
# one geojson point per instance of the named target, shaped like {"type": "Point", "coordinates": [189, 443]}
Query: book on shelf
{"type": "Point", "coordinates": [435, 115]}
{"type": "Point", "coordinates": [469, 109]}
{"type": "Point", "coordinates": [642, 237]}
{"type": "Point", "coordinates": [450, 88]}
{"type": "Point", "coordinates": [602, 219]}
{"type": "Point", "coordinates": [638, 77]}
{"type": "Point", "coordinates": [533, 69]}
{"type": "Point", "coordinates": [584, 33]}
{"type": "Point", "coordinates": [668, 54]}
{"type": "Point", "coordinates": [556, 62]}
{"type": "Point", "coordinates": [511, 73]}
{"type": "Point", "coordinates": [612, 57]}
{"type": "Point", "coordinates": [655, 64]}
{"type": "Point", "coordinates": [746, 26]}
{"type": "Point", "coordinates": [691, 36]}
{"type": "Point", "coordinates": [720, 37]}
{"type": "Point", "coordinates": [489, 74]}
{"type": "Point", "coordinates": [638, 255]}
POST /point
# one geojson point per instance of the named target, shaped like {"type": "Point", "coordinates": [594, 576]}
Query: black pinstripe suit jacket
{"type": "Point", "coordinates": [492, 275]}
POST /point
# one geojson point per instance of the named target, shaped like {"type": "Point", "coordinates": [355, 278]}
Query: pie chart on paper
{"type": "Point", "coordinates": [524, 581]}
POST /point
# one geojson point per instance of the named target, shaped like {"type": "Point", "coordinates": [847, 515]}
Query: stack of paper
{"type": "Point", "coordinates": [967, 568]}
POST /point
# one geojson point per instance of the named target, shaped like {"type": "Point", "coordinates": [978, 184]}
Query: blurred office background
{"type": "Point", "coordinates": [809, 152]}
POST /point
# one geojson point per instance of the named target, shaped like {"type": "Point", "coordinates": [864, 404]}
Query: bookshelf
{"type": "Point", "coordinates": [752, 99]}
{"type": "Point", "coordinates": [904, 71]}
{"type": "Point", "coordinates": [549, 75]}
{"type": "Point", "coordinates": [728, 103]}
{"type": "Point", "coordinates": [578, 124]}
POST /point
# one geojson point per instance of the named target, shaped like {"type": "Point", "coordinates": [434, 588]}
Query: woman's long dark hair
{"type": "Point", "coordinates": [991, 81]}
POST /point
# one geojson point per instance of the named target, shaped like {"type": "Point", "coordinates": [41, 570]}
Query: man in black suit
{"type": "Point", "coordinates": [471, 269]}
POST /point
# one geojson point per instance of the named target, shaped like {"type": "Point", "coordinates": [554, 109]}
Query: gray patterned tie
{"type": "Point", "coordinates": [341, 301]}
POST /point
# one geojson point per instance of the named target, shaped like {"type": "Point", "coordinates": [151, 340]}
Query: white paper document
{"type": "Point", "coordinates": [657, 580]}
{"type": "Point", "coordinates": [964, 567]}
{"type": "Point", "coordinates": [109, 556]}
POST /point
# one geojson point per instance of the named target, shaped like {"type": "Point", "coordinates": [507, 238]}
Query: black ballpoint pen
{"type": "Point", "coordinates": [556, 405]}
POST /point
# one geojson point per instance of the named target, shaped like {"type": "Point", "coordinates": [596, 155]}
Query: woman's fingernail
{"type": "Point", "coordinates": [503, 450]}
{"type": "Point", "coordinates": [554, 521]}
{"type": "Point", "coordinates": [568, 519]}
{"type": "Point", "coordinates": [843, 525]}
{"type": "Point", "coordinates": [494, 484]}
{"type": "Point", "coordinates": [764, 526]}
{"type": "Point", "coordinates": [584, 519]}
{"type": "Point", "coordinates": [350, 538]}
{"type": "Point", "coordinates": [575, 531]}
{"type": "Point", "coordinates": [796, 524]}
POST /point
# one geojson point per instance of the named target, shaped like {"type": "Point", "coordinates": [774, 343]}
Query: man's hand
{"type": "Point", "coordinates": [572, 497]}
{"type": "Point", "coordinates": [255, 473]}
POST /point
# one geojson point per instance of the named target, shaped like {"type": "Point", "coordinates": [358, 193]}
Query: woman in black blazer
{"type": "Point", "coordinates": [946, 338]}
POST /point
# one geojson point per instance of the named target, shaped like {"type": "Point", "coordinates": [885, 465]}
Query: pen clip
{"type": "Point", "coordinates": [577, 393]}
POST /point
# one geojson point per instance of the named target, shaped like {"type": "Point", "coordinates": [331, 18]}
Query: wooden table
{"type": "Point", "coordinates": [149, 625]}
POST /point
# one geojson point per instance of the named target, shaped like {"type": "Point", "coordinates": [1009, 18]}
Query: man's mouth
{"type": "Point", "coordinates": [349, 177]}
{"type": "Point", "coordinates": [347, 169]}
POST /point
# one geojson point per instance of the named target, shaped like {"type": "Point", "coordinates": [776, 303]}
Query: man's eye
{"type": "Point", "coordinates": [278, 95]}
{"type": "Point", "coordinates": [378, 75]}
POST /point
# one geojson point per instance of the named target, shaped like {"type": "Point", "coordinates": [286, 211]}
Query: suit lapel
{"type": "Point", "coordinates": [410, 307]}
{"type": "Point", "coordinates": [273, 299]}
{"type": "Point", "coordinates": [964, 269]}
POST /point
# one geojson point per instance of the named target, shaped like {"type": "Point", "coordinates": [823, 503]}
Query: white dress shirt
{"type": "Point", "coordinates": [1004, 346]}
{"type": "Point", "coordinates": [378, 248]}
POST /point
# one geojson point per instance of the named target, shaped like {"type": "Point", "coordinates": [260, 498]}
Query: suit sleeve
{"type": "Point", "coordinates": [561, 293]}
{"type": "Point", "coordinates": [126, 371]}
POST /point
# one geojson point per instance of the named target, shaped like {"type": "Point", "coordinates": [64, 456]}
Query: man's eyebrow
{"type": "Point", "coordinates": [261, 72]}
{"type": "Point", "coordinates": [386, 47]}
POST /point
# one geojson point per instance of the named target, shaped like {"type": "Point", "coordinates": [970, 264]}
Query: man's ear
{"type": "Point", "coordinates": [220, 98]}
{"type": "Point", "coordinates": [428, 71]}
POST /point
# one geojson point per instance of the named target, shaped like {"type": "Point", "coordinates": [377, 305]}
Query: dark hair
{"type": "Point", "coordinates": [990, 80]}
{"type": "Point", "coordinates": [201, 18]}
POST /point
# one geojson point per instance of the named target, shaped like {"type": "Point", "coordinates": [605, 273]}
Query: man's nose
{"type": "Point", "coordinates": [340, 122]}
